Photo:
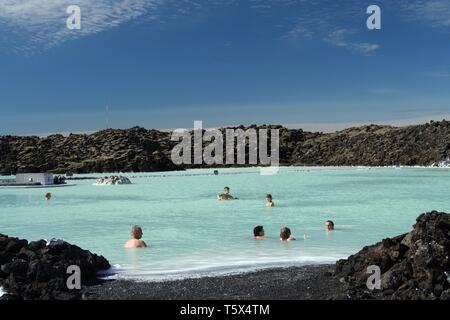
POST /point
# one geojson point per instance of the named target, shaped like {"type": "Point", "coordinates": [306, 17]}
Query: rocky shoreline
{"type": "Point", "coordinates": [141, 150]}
{"type": "Point", "coordinates": [38, 270]}
{"type": "Point", "coordinates": [294, 283]}
{"type": "Point", "coordinates": [413, 266]}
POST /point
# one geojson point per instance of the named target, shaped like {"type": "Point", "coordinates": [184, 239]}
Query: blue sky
{"type": "Point", "coordinates": [166, 63]}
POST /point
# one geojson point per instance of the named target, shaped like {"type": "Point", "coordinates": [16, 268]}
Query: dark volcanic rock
{"type": "Point", "coordinates": [37, 271]}
{"type": "Point", "coordinates": [413, 266]}
{"type": "Point", "coordinates": [138, 149]}
{"type": "Point", "coordinates": [131, 150]}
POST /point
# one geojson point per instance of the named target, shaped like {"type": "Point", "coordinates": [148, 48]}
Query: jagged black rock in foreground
{"type": "Point", "coordinates": [141, 150]}
{"type": "Point", "coordinates": [413, 266]}
{"type": "Point", "coordinates": [37, 271]}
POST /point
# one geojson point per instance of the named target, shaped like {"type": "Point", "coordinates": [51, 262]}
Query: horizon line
{"type": "Point", "coordinates": [323, 127]}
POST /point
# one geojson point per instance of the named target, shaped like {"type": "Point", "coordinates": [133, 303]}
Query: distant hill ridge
{"type": "Point", "coordinates": [142, 150]}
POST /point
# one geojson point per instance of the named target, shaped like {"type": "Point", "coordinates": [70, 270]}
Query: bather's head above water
{"type": "Point", "coordinates": [136, 235]}
{"type": "Point", "coordinates": [225, 195]}
{"type": "Point", "coordinates": [329, 225]}
{"type": "Point", "coordinates": [285, 234]}
{"type": "Point", "coordinates": [136, 232]}
{"type": "Point", "coordinates": [258, 232]}
{"type": "Point", "coordinates": [269, 200]}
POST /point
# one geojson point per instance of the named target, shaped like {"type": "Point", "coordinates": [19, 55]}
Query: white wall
{"type": "Point", "coordinates": [43, 178]}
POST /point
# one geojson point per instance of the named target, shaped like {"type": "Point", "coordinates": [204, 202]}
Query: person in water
{"type": "Point", "coordinates": [48, 196]}
{"type": "Point", "coordinates": [285, 234]}
{"type": "Point", "coordinates": [269, 200]}
{"type": "Point", "coordinates": [135, 242]}
{"type": "Point", "coordinates": [329, 225]}
{"type": "Point", "coordinates": [225, 195]}
{"type": "Point", "coordinates": [258, 233]}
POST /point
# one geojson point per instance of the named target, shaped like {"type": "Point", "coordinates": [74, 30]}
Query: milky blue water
{"type": "Point", "coordinates": [190, 233]}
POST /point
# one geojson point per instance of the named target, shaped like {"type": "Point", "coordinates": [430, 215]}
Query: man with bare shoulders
{"type": "Point", "coordinates": [135, 242]}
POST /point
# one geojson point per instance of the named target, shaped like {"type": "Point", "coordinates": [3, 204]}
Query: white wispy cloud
{"type": "Point", "coordinates": [434, 12]}
{"type": "Point", "coordinates": [33, 25]}
{"type": "Point", "coordinates": [339, 37]}
{"type": "Point", "coordinates": [299, 31]}
{"type": "Point", "coordinates": [39, 24]}
{"type": "Point", "coordinates": [334, 23]}
{"type": "Point", "coordinates": [343, 38]}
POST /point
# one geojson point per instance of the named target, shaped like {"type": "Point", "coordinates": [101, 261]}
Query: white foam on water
{"type": "Point", "coordinates": [2, 292]}
{"type": "Point", "coordinates": [117, 273]}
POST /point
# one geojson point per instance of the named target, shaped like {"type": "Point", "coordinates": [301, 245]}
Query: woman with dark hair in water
{"type": "Point", "coordinates": [269, 200]}
{"type": "Point", "coordinates": [329, 225]}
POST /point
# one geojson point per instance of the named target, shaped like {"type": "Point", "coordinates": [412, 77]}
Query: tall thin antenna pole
{"type": "Point", "coordinates": [107, 117]}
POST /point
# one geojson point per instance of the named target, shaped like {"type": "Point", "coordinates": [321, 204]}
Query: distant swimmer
{"type": "Point", "coordinates": [48, 196]}
{"type": "Point", "coordinates": [269, 200]}
{"type": "Point", "coordinates": [258, 233]}
{"type": "Point", "coordinates": [225, 195]}
{"type": "Point", "coordinates": [329, 225]}
{"type": "Point", "coordinates": [136, 242]}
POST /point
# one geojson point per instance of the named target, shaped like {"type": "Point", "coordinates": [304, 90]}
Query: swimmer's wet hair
{"type": "Point", "coordinates": [227, 188]}
{"type": "Point", "coordinates": [135, 228]}
{"type": "Point", "coordinates": [285, 233]}
{"type": "Point", "coordinates": [257, 230]}
{"type": "Point", "coordinates": [330, 222]}
{"type": "Point", "coordinates": [269, 196]}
